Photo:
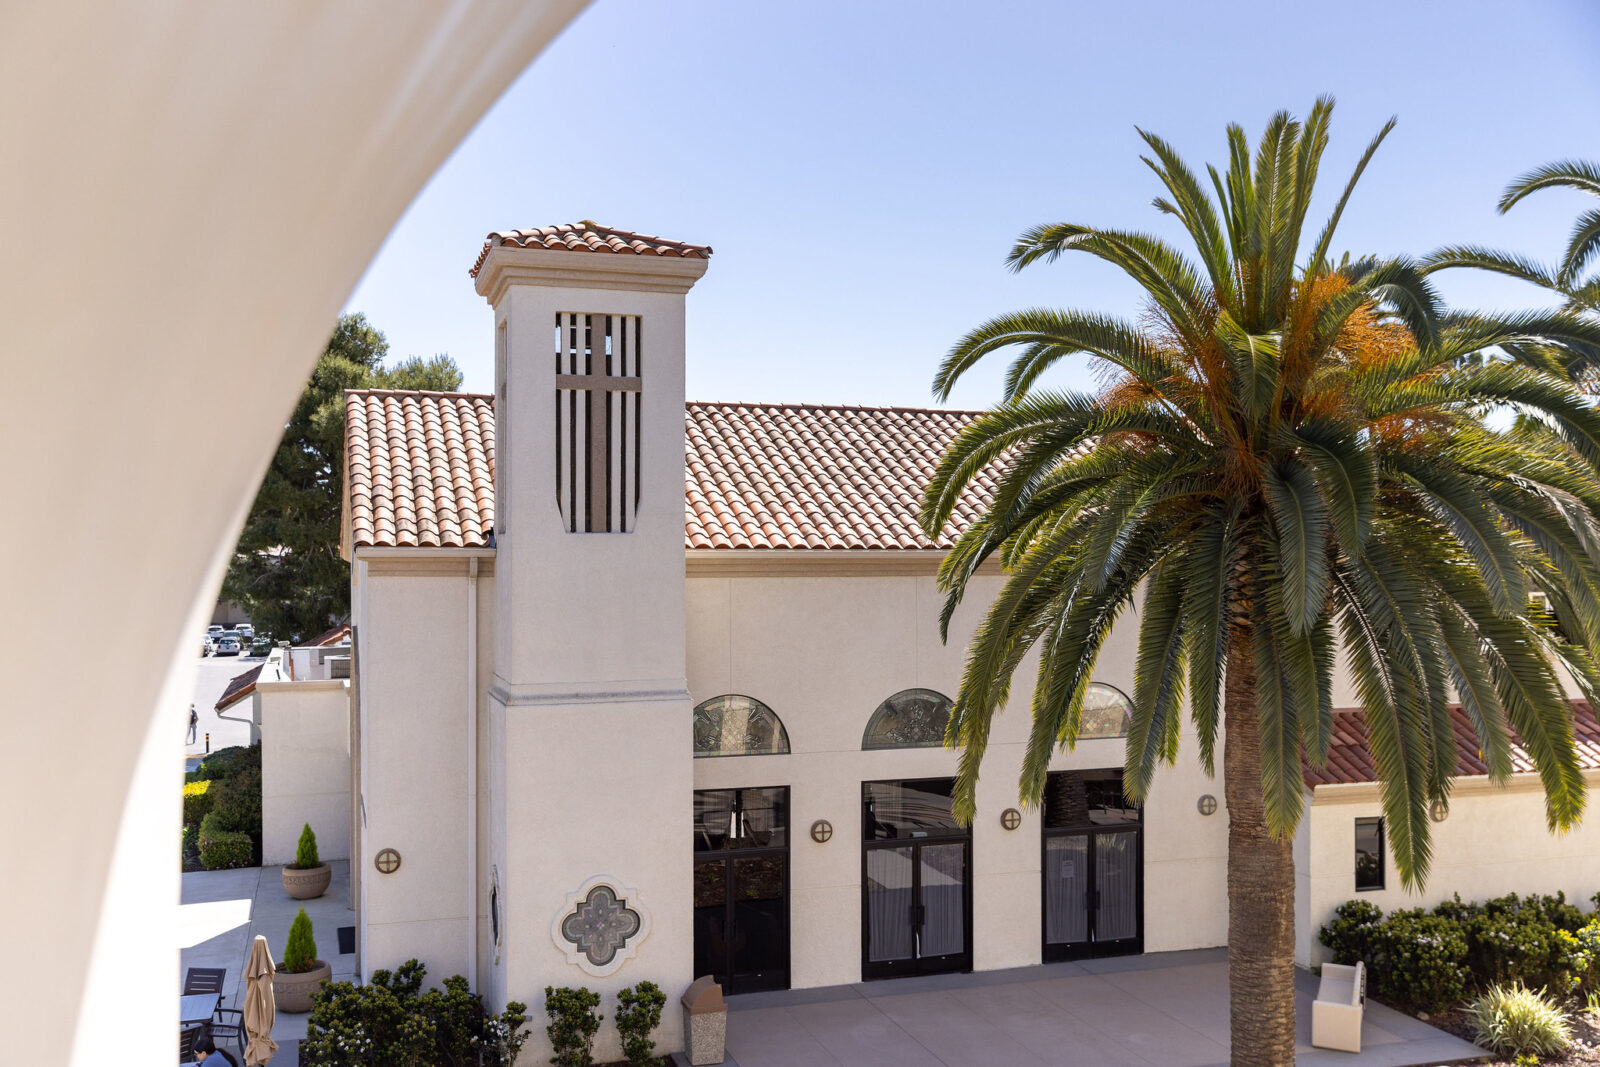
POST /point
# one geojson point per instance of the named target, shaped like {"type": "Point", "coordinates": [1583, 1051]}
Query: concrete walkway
{"type": "Point", "coordinates": [1157, 1010]}
{"type": "Point", "coordinates": [223, 911]}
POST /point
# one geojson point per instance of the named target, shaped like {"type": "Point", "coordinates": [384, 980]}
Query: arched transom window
{"type": "Point", "coordinates": [735, 725]}
{"type": "Point", "coordinates": [1107, 712]}
{"type": "Point", "coordinates": [912, 718]}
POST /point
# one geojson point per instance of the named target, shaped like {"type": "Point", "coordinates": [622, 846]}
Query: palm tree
{"type": "Point", "coordinates": [1566, 278]}
{"type": "Point", "coordinates": [1291, 462]}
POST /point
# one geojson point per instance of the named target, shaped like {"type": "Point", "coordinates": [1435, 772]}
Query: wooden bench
{"type": "Point", "coordinates": [1341, 1001]}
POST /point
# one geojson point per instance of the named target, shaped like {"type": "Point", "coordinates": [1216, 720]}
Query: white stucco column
{"type": "Point", "coordinates": [190, 192]}
{"type": "Point", "coordinates": [588, 694]}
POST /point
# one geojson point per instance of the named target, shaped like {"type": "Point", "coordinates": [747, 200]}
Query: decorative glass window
{"type": "Point", "coordinates": [734, 725]}
{"type": "Point", "coordinates": [1107, 712]}
{"type": "Point", "coordinates": [912, 718]}
{"type": "Point", "coordinates": [1369, 853]}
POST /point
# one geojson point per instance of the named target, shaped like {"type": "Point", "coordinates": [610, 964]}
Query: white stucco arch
{"type": "Point", "coordinates": [189, 194]}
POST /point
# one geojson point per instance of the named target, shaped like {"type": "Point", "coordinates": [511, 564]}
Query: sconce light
{"type": "Point", "coordinates": [1207, 805]}
{"type": "Point", "coordinates": [1011, 818]}
{"type": "Point", "coordinates": [821, 831]}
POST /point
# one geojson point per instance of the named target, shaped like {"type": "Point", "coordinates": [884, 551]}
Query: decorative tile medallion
{"type": "Point", "coordinates": [601, 926]}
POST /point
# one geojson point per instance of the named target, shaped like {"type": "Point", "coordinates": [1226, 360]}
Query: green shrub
{"type": "Point", "coordinates": [1420, 960]}
{"type": "Point", "coordinates": [638, 1014]}
{"type": "Point", "coordinates": [236, 802]}
{"type": "Point", "coordinates": [1350, 934]}
{"type": "Point", "coordinates": [573, 1024]}
{"type": "Point", "coordinates": [305, 854]}
{"type": "Point", "coordinates": [197, 802]}
{"type": "Point", "coordinates": [1513, 1020]}
{"type": "Point", "coordinates": [221, 849]}
{"type": "Point", "coordinates": [300, 952]}
{"type": "Point", "coordinates": [392, 1021]}
{"type": "Point", "coordinates": [227, 762]}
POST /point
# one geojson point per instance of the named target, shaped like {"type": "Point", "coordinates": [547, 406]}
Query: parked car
{"type": "Point", "coordinates": [261, 645]}
{"type": "Point", "coordinates": [214, 629]}
{"type": "Point", "coordinates": [246, 631]}
{"type": "Point", "coordinates": [227, 646]}
{"type": "Point", "coordinates": [205, 645]}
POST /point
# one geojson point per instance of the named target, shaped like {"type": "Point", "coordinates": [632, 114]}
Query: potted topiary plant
{"type": "Point", "coordinates": [307, 876]}
{"type": "Point", "coordinates": [301, 973]}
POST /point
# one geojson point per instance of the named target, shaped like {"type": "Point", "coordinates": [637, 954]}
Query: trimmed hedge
{"type": "Point", "coordinates": [221, 849]}
{"type": "Point", "coordinates": [197, 802]}
{"type": "Point", "coordinates": [227, 762]}
{"type": "Point", "coordinates": [1433, 960]}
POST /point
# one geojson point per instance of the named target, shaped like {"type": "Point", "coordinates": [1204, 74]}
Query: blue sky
{"type": "Point", "coordinates": [861, 168]}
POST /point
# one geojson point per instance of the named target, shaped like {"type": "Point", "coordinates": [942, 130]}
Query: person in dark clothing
{"type": "Point", "coordinates": [194, 723]}
{"type": "Point", "coordinates": [205, 1048]}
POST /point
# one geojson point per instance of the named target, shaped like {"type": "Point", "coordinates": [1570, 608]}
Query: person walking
{"type": "Point", "coordinates": [194, 724]}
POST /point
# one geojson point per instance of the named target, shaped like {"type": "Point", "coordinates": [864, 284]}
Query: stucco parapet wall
{"type": "Point", "coordinates": [1476, 785]}
{"type": "Point", "coordinates": [640, 691]}
{"type": "Point", "coordinates": [565, 269]}
{"type": "Point", "coordinates": [310, 685]}
{"type": "Point", "coordinates": [818, 562]}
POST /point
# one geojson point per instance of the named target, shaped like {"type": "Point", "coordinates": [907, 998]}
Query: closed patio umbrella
{"type": "Point", "coordinates": [259, 1010]}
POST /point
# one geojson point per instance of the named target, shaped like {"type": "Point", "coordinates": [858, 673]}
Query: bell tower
{"type": "Point", "coordinates": [587, 755]}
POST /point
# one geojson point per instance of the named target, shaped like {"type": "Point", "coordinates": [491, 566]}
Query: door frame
{"type": "Point", "coordinates": [1056, 952]}
{"type": "Point", "coordinates": [730, 982]}
{"type": "Point", "coordinates": [953, 963]}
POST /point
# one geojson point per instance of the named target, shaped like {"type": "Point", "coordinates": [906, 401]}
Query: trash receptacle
{"type": "Point", "coordinates": [705, 1021]}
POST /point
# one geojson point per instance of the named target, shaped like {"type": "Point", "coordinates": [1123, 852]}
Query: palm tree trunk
{"type": "Point", "coordinates": [1260, 887]}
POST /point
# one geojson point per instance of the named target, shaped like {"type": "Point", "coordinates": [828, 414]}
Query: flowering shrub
{"type": "Point", "coordinates": [394, 1022]}
{"type": "Point", "coordinates": [197, 801]}
{"type": "Point", "coordinates": [1430, 960]}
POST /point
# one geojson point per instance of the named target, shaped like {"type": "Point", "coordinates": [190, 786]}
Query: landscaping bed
{"type": "Point", "coordinates": [1519, 976]}
{"type": "Point", "coordinates": [222, 811]}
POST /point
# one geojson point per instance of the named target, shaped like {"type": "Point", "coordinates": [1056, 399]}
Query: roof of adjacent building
{"type": "Point", "coordinates": [338, 635]}
{"type": "Point", "coordinates": [420, 473]}
{"type": "Point", "coordinates": [419, 468]}
{"type": "Point", "coordinates": [1350, 759]}
{"type": "Point", "coordinates": [240, 687]}
{"type": "Point", "coordinates": [588, 236]}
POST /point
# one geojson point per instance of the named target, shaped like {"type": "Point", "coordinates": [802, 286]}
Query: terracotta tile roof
{"type": "Point", "coordinates": [807, 476]}
{"type": "Point", "coordinates": [1350, 760]}
{"type": "Point", "coordinates": [587, 236]}
{"type": "Point", "coordinates": [419, 468]}
{"type": "Point", "coordinates": [420, 473]}
{"type": "Point", "coordinates": [240, 687]}
{"type": "Point", "coordinates": [339, 635]}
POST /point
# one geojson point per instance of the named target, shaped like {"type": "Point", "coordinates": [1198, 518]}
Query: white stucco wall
{"type": "Point", "coordinates": [1493, 842]}
{"type": "Point", "coordinates": [305, 767]}
{"type": "Point", "coordinates": [413, 663]}
{"type": "Point", "coordinates": [823, 653]}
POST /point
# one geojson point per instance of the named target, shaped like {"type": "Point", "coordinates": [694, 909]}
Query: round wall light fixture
{"type": "Point", "coordinates": [387, 861]}
{"type": "Point", "coordinates": [1439, 811]}
{"type": "Point", "coordinates": [1011, 818]}
{"type": "Point", "coordinates": [821, 831]}
{"type": "Point", "coordinates": [1207, 804]}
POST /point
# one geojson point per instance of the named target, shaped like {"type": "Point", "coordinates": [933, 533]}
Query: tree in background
{"type": "Point", "coordinates": [286, 571]}
{"type": "Point", "coordinates": [1286, 466]}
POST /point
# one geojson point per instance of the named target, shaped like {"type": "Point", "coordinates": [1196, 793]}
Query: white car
{"type": "Point", "coordinates": [246, 632]}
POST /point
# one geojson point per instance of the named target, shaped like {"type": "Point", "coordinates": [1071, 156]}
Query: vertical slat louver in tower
{"type": "Point", "coordinates": [597, 421]}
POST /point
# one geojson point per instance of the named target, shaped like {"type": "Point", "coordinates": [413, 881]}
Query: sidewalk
{"type": "Point", "coordinates": [223, 911]}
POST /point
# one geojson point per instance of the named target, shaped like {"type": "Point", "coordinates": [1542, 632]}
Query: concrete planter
{"type": "Point", "coordinates": [309, 883]}
{"type": "Point", "coordinates": [292, 992]}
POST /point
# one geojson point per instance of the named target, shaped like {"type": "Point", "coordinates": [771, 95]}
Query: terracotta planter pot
{"type": "Point", "coordinates": [311, 882]}
{"type": "Point", "coordinates": [292, 992]}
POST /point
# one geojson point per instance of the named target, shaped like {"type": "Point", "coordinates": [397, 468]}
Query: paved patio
{"type": "Point", "coordinates": [1157, 1010]}
{"type": "Point", "coordinates": [223, 911]}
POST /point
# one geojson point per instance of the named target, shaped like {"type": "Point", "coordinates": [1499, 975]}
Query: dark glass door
{"type": "Point", "coordinates": [916, 906]}
{"type": "Point", "coordinates": [741, 888]}
{"type": "Point", "coordinates": [1093, 867]}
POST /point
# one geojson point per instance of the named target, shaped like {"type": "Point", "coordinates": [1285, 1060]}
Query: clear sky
{"type": "Point", "coordinates": [861, 167]}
